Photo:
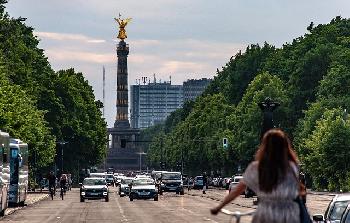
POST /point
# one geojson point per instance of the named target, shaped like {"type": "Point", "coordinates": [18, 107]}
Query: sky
{"type": "Point", "coordinates": [184, 39]}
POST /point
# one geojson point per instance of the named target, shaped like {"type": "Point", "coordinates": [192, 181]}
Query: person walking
{"type": "Point", "coordinates": [273, 176]}
{"type": "Point", "coordinates": [205, 182]}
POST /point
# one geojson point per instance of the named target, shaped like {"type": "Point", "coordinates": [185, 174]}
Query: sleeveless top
{"type": "Point", "coordinates": [276, 206]}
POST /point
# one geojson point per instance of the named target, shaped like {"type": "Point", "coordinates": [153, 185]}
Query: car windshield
{"type": "Point", "coordinates": [199, 178]}
{"type": "Point", "coordinates": [97, 175]}
{"type": "Point", "coordinates": [90, 182]}
{"type": "Point", "coordinates": [142, 181]}
{"type": "Point", "coordinates": [171, 176]}
{"type": "Point", "coordinates": [126, 181]}
{"type": "Point", "coordinates": [236, 180]}
{"type": "Point", "coordinates": [338, 210]}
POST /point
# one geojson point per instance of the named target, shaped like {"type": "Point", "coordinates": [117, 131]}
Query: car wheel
{"type": "Point", "coordinates": [107, 199]}
{"type": "Point", "coordinates": [182, 192]}
{"type": "Point", "coordinates": [131, 197]}
{"type": "Point", "coordinates": [177, 192]}
{"type": "Point", "coordinates": [82, 199]}
{"type": "Point", "coordinates": [156, 198]}
{"type": "Point", "coordinates": [160, 192]}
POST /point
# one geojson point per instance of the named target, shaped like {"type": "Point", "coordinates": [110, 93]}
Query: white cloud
{"type": "Point", "coordinates": [65, 56]}
{"type": "Point", "coordinates": [67, 36]}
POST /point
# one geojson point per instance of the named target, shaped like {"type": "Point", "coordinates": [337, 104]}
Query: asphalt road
{"type": "Point", "coordinates": [192, 207]}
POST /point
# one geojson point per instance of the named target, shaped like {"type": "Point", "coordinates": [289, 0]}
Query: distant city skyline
{"type": "Point", "coordinates": [177, 38]}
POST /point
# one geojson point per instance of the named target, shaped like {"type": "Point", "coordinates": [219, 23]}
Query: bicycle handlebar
{"type": "Point", "coordinates": [237, 213]}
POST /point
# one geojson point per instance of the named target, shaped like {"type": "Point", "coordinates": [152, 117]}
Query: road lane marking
{"type": "Point", "coordinates": [124, 219]}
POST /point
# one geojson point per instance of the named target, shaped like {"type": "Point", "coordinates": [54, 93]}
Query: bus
{"type": "Point", "coordinates": [4, 170]}
{"type": "Point", "coordinates": [18, 172]}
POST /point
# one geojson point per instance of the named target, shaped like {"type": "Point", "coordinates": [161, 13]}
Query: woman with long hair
{"type": "Point", "coordinates": [273, 176]}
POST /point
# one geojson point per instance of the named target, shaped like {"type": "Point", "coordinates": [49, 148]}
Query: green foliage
{"type": "Point", "coordinates": [21, 119]}
{"type": "Point", "coordinates": [328, 145]}
{"type": "Point", "coordinates": [310, 77]}
{"type": "Point", "coordinates": [245, 122]}
{"type": "Point", "coordinates": [79, 122]}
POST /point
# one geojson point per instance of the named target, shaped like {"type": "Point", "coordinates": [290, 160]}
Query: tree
{"type": "Point", "coordinates": [245, 122]}
{"type": "Point", "coordinates": [328, 156]}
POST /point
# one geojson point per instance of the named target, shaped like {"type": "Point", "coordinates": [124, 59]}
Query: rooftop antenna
{"type": "Point", "coordinates": [170, 79]}
{"type": "Point", "coordinates": [103, 90]}
{"type": "Point", "coordinates": [154, 78]}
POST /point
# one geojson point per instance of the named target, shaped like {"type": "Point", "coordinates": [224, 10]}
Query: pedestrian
{"type": "Point", "coordinates": [273, 176]}
{"type": "Point", "coordinates": [205, 182]}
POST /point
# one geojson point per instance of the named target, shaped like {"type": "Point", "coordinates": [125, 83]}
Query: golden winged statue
{"type": "Point", "coordinates": [122, 24]}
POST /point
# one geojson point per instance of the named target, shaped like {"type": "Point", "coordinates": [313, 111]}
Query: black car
{"type": "Point", "coordinates": [172, 182]}
{"type": "Point", "coordinates": [94, 188]}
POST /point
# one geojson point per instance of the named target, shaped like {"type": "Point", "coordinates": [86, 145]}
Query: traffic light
{"type": "Point", "coordinates": [123, 143]}
{"type": "Point", "coordinates": [225, 143]}
{"type": "Point", "coordinates": [178, 165]}
{"type": "Point", "coordinates": [162, 165]}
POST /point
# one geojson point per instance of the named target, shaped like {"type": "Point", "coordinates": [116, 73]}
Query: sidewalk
{"type": "Point", "coordinates": [32, 198]}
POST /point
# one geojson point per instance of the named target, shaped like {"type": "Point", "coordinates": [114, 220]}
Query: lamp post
{"type": "Point", "coordinates": [140, 159]}
{"type": "Point", "coordinates": [267, 107]}
{"type": "Point", "coordinates": [61, 143]}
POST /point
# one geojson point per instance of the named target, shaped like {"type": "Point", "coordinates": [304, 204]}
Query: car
{"type": "Point", "coordinates": [172, 182]}
{"type": "Point", "coordinates": [143, 188]}
{"type": "Point", "coordinates": [124, 186]}
{"type": "Point", "coordinates": [94, 188]}
{"type": "Point", "coordinates": [198, 182]}
{"type": "Point", "coordinates": [110, 179]}
{"type": "Point", "coordinates": [98, 175]}
{"type": "Point", "coordinates": [334, 210]}
{"type": "Point", "coordinates": [234, 182]}
{"type": "Point", "coordinates": [345, 218]}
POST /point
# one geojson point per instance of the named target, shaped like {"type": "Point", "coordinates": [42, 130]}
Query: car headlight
{"type": "Point", "coordinates": [105, 193]}
{"type": "Point", "coordinates": [83, 193]}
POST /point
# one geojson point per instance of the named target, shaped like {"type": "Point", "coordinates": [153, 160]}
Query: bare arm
{"type": "Point", "coordinates": [230, 197]}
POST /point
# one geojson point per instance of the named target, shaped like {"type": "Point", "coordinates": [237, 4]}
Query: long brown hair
{"type": "Point", "coordinates": [274, 154]}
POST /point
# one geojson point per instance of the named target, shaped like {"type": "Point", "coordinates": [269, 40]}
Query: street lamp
{"type": "Point", "coordinates": [140, 159]}
{"type": "Point", "coordinates": [61, 143]}
{"type": "Point", "coordinates": [267, 107]}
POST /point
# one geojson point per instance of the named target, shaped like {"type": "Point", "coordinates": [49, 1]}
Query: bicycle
{"type": "Point", "coordinates": [237, 214]}
{"type": "Point", "coordinates": [62, 192]}
{"type": "Point", "coordinates": [52, 192]}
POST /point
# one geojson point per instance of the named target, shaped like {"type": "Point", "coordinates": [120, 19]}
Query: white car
{"type": "Point", "coordinates": [234, 182]}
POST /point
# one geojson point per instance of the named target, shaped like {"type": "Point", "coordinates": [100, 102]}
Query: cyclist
{"type": "Point", "coordinates": [63, 182]}
{"type": "Point", "coordinates": [52, 183]}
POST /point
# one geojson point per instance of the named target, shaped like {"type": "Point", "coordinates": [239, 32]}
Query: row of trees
{"type": "Point", "coordinates": [43, 107]}
{"type": "Point", "coordinates": [309, 77]}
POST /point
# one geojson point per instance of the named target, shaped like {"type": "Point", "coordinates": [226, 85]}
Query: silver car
{"type": "Point", "coordinates": [124, 186]}
{"type": "Point", "coordinates": [335, 209]}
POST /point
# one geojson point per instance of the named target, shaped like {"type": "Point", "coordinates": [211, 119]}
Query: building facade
{"type": "Point", "coordinates": [194, 88]}
{"type": "Point", "coordinates": [152, 103]}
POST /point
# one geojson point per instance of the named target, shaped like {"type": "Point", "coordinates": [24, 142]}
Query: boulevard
{"type": "Point", "coordinates": [192, 207]}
